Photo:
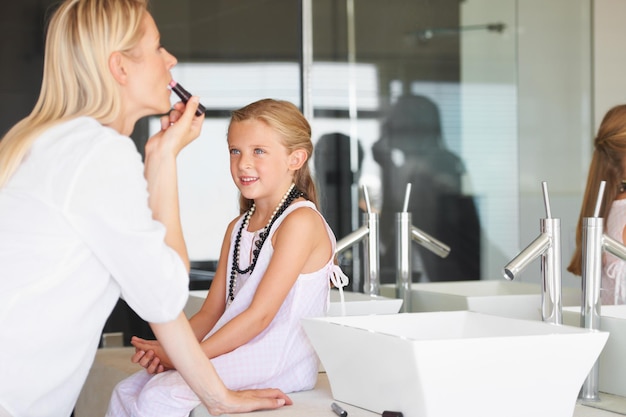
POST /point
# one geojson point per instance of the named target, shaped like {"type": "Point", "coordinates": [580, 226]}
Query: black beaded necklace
{"type": "Point", "coordinates": [287, 199]}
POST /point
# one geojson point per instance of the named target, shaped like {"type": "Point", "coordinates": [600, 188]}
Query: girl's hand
{"type": "Point", "coordinates": [150, 355]}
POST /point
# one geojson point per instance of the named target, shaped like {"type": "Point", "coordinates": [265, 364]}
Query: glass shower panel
{"type": "Point", "coordinates": [489, 125]}
{"type": "Point", "coordinates": [424, 86]}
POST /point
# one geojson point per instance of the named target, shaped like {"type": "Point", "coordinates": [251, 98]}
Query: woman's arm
{"type": "Point", "coordinates": [215, 303]}
{"type": "Point", "coordinates": [150, 353]}
{"type": "Point", "coordinates": [178, 129]}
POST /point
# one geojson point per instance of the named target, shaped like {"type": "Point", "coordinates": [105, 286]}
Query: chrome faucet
{"type": "Point", "coordinates": [594, 241]}
{"type": "Point", "coordinates": [369, 234]}
{"type": "Point", "coordinates": [405, 234]}
{"type": "Point", "coordinates": [548, 245]}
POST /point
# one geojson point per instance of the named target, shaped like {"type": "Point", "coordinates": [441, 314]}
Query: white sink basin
{"type": "Point", "coordinates": [355, 303]}
{"type": "Point", "coordinates": [457, 363]}
{"type": "Point", "coordinates": [612, 371]}
{"type": "Point", "coordinates": [512, 299]}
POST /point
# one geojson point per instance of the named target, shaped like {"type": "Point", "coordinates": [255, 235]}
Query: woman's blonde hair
{"type": "Point", "coordinates": [81, 36]}
{"type": "Point", "coordinates": [288, 121]}
{"type": "Point", "coordinates": [607, 164]}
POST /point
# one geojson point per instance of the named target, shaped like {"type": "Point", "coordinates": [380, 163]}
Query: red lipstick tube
{"type": "Point", "coordinates": [185, 96]}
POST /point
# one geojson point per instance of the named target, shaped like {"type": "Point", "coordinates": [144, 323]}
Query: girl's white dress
{"type": "Point", "coordinates": [279, 357]}
{"type": "Point", "coordinates": [613, 289]}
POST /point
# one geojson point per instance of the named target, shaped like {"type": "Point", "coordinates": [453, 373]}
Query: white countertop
{"type": "Point", "coordinates": [316, 403]}
{"type": "Point", "coordinates": [113, 364]}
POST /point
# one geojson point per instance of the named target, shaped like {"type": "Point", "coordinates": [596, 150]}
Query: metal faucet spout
{"type": "Point", "coordinates": [435, 246]}
{"type": "Point", "coordinates": [529, 254]}
{"type": "Point", "coordinates": [613, 247]}
{"type": "Point", "coordinates": [351, 239]}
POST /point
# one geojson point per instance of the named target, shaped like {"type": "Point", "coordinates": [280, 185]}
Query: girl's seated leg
{"type": "Point", "coordinates": [146, 395]}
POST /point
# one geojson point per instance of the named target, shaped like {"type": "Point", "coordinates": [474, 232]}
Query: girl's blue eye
{"type": "Point", "coordinates": [234, 152]}
{"type": "Point", "coordinates": [259, 151]}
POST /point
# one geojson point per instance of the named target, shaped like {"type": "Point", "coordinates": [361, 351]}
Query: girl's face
{"type": "Point", "coordinates": [260, 164]}
{"type": "Point", "coordinates": [148, 68]}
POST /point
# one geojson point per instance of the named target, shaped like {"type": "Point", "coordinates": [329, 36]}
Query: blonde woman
{"type": "Point", "coordinates": [83, 221]}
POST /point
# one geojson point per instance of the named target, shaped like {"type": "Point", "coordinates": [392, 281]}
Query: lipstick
{"type": "Point", "coordinates": [185, 96]}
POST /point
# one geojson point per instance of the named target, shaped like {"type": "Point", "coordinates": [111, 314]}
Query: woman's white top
{"type": "Point", "coordinates": [76, 231]}
{"type": "Point", "coordinates": [281, 356]}
{"type": "Point", "coordinates": [613, 268]}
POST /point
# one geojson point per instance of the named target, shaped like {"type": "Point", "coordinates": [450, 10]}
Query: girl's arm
{"type": "Point", "coordinates": [292, 256]}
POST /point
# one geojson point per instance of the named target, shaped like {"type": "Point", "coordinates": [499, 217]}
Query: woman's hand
{"type": "Point", "coordinates": [249, 400]}
{"type": "Point", "coordinates": [178, 128]}
{"type": "Point", "coordinates": [150, 355]}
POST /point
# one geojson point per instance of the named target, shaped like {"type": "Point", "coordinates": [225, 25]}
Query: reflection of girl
{"type": "Point", "coordinates": [608, 163]}
{"type": "Point", "coordinates": [274, 269]}
{"type": "Point", "coordinates": [82, 220]}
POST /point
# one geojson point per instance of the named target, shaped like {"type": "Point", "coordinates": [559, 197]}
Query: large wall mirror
{"type": "Point", "coordinates": [473, 102]}
{"type": "Point", "coordinates": [434, 94]}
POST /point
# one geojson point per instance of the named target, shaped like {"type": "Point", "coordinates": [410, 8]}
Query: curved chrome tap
{"type": "Point", "coordinates": [368, 233]}
{"type": "Point", "coordinates": [405, 234]}
{"type": "Point", "coordinates": [594, 242]}
{"type": "Point", "coordinates": [548, 245]}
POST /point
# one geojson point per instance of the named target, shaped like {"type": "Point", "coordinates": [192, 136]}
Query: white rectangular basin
{"type": "Point", "coordinates": [521, 300]}
{"type": "Point", "coordinates": [355, 303]}
{"type": "Point", "coordinates": [456, 363]}
{"type": "Point", "coordinates": [612, 371]}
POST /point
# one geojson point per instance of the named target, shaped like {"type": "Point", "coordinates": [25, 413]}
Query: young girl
{"type": "Point", "coordinates": [274, 269]}
{"type": "Point", "coordinates": [607, 164]}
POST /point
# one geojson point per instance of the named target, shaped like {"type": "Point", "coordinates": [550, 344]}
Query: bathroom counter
{"type": "Point", "coordinates": [113, 364]}
{"type": "Point", "coordinates": [316, 403]}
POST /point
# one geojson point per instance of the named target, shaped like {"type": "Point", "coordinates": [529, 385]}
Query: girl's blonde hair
{"type": "Point", "coordinates": [288, 121]}
{"type": "Point", "coordinates": [81, 36]}
{"type": "Point", "coordinates": [607, 161]}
